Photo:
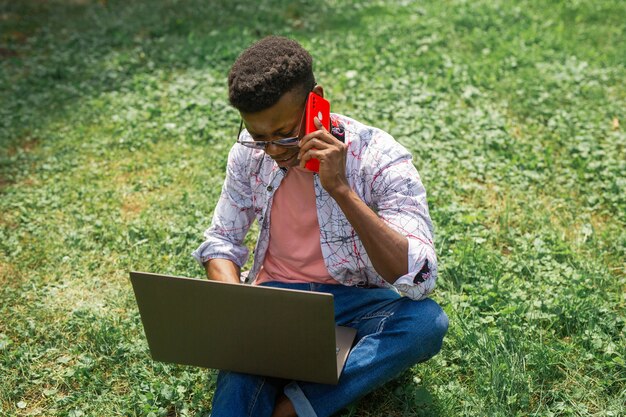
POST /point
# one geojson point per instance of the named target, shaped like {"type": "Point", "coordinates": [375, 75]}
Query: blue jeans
{"type": "Point", "coordinates": [393, 333]}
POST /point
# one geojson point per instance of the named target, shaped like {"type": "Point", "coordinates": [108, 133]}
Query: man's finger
{"type": "Point", "coordinates": [310, 154]}
{"type": "Point", "coordinates": [304, 158]}
{"type": "Point", "coordinates": [319, 134]}
{"type": "Point", "coordinates": [313, 143]}
{"type": "Point", "coordinates": [318, 124]}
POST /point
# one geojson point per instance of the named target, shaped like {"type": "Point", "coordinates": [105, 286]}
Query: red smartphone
{"type": "Point", "coordinates": [316, 106]}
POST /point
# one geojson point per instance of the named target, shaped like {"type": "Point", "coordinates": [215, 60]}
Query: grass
{"type": "Point", "coordinates": [114, 130]}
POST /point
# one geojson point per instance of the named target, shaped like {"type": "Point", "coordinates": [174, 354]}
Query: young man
{"type": "Point", "coordinates": [359, 229]}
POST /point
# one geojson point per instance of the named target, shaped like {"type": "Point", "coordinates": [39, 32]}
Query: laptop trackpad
{"type": "Point", "coordinates": [344, 337]}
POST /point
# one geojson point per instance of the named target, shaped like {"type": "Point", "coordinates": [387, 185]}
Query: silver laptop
{"type": "Point", "coordinates": [257, 330]}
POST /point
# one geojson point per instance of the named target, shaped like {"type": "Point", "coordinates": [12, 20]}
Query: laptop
{"type": "Point", "coordinates": [257, 330]}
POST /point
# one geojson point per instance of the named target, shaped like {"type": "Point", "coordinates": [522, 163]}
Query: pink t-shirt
{"type": "Point", "coordinates": [294, 253]}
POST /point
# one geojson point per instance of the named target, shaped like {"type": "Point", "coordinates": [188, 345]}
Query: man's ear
{"type": "Point", "coordinates": [319, 90]}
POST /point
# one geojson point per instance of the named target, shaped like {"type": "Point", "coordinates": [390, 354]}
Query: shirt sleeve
{"type": "Point", "coordinates": [400, 200]}
{"type": "Point", "coordinates": [232, 216]}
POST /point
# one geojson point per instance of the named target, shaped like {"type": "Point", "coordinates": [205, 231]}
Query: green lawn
{"type": "Point", "coordinates": [114, 131]}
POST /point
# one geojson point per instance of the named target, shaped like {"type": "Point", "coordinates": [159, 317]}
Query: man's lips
{"type": "Point", "coordinates": [285, 159]}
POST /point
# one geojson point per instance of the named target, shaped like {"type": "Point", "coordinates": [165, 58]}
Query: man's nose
{"type": "Point", "coordinates": [272, 149]}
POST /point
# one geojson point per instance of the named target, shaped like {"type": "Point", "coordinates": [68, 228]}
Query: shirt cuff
{"type": "Point", "coordinates": [212, 250]}
{"type": "Point", "coordinates": [422, 271]}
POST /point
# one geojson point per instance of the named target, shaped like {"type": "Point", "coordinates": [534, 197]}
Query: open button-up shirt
{"type": "Point", "coordinates": [378, 169]}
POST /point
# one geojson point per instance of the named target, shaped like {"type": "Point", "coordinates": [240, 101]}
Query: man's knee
{"type": "Point", "coordinates": [429, 326]}
{"type": "Point", "coordinates": [440, 328]}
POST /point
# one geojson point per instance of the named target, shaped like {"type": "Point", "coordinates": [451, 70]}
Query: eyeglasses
{"type": "Point", "coordinates": [290, 142]}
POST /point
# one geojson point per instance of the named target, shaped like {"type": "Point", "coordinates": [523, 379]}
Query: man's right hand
{"type": "Point", "coordinates": [223, 270]}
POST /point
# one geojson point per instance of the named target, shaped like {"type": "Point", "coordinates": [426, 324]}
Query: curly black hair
{"type": "Point", "coordinates": [267, 70]}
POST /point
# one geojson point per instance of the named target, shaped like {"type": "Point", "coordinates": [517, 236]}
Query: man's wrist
{"type": "Point", "coordinates": [341, 192]}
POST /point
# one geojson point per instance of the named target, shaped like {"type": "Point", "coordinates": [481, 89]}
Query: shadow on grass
{"type": "Point", "coordinates": [401, 397]}
{"type": "Point", "coordinates": [55, 53]}
{"type": "Point", "coordinates": [55, 56]}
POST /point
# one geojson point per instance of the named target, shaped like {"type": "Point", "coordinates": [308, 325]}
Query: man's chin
{"type": "Point", "coordinates": [291, 162]}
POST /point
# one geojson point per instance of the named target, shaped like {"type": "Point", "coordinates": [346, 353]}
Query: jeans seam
{"type": "Point", "coordinates": [379, 330]}
{"type": "Point", "coordinates": [384, 314]}
{"type": "Point", "coordinates": [256, 396]}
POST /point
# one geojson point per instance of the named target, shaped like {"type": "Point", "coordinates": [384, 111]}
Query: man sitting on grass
{"type": "Point", "coordinates": [359, 229]}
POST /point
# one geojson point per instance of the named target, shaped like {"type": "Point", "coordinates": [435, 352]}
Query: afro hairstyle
{"type": "Point", "coordinates": [266, 70]}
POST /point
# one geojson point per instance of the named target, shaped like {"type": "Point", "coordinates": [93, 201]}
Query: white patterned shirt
{"type": "Point", "coordinates": [381, 173]}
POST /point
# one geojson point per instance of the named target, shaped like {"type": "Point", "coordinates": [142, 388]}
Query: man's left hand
{"type": "Point", "coordinates": [332, 156]}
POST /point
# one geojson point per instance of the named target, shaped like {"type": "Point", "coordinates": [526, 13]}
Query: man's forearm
{"type": "Point", "coordinates": [223, 270]}
{"type": "Point", "coordinates": [386, 248]}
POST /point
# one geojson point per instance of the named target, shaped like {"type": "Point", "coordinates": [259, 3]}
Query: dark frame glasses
{"type": "Point", "coordinates": [263, 144]}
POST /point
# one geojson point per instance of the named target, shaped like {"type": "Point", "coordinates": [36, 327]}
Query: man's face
{"type": "Point", "coordinates": [282, 120]}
